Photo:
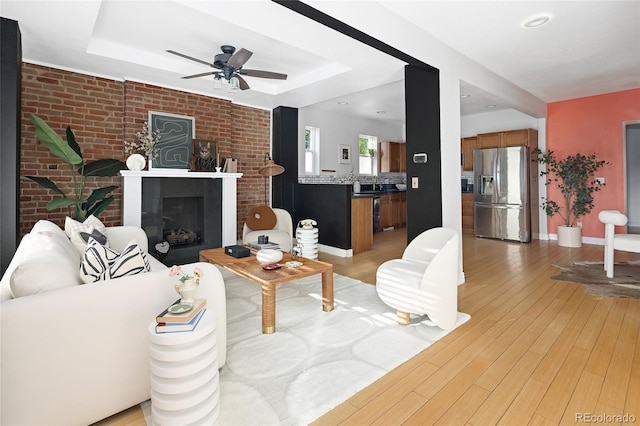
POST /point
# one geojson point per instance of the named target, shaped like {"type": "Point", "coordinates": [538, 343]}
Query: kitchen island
{"type": "Point", "coordinates": [345, 219]}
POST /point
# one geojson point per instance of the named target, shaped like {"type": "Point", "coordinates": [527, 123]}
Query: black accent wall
{"type": "Point", "coordinates": [285, 152]}
{"type": "Point", "coordinates": [330, 206]}
{"type": "Point", "coordinates": [10, 100]}
{"type": "Point", "coordinates": [422, 102]}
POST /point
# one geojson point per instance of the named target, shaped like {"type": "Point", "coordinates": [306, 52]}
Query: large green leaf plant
{"type": "Point", "coordinates": [574, 177]}
{"type": "Point", "coordinates": [69, 151]}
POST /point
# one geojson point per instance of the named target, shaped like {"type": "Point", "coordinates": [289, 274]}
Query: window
{"type": "Point", "coordinates": [368, 154]}
{"type": "Point", "coordinates": [311, 150]}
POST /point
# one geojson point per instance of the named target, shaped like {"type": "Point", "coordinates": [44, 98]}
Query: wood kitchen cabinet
{"type": "Point", "coordinates": [403, 209]}
{"type": "Point", "coordinates": [467, 146]}
{"type": "Point", "coordinates": [522, 137]}
{"type": "Point", "coordinates": [392, 157]}
{"type": "Point", "coordinates": [393, 209]}
{"type": "Point", "coordinates": [361, 224]}
{"type": "Point", "coordinates": [467, 211]}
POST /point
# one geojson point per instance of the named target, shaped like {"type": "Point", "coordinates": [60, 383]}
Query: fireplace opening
{"type": "Point", "coordinates": [183, 221]}
{"type": "Point", "coordinates": [181, 217]}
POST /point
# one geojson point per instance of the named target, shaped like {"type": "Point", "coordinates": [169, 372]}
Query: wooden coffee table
{"type": "Point", "coordinates": [249, 268]}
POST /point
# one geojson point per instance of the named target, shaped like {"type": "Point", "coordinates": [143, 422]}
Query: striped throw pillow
{"type": "Point", "coordinates": [101, 263]}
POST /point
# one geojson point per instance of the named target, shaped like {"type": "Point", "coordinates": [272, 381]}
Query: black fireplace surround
{"type": "Point", "coordinates": [185, 213]}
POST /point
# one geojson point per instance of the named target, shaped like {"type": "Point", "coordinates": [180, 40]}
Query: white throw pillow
{"type": "Point", "coordinates": [37, 277]}
{"type": "Point", "coordinates": [102, 263]}
{"type": "Point", "coordinates": [44, 265]}
{"type": "Point", "coordinates": [50, 229]}
{"type": "Point", "coordinates": [73, 228]}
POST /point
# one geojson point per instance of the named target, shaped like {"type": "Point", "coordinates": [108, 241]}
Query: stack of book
{"type": "Point", "coordinates": [257, 246]}
{"type": "Point", "coordinates": [167, 322]}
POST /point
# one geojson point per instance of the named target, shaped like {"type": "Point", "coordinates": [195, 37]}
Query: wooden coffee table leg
{"type": "Point", "coordinates": [268, 309]}
{"type": "Point", "coordinates": [327, 291]}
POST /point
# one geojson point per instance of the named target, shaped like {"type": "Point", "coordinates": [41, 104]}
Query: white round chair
{"type": "Point", "coordinates": [281, 233]}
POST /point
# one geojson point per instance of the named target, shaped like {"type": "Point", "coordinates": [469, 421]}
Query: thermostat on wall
{"type": "Point", "coordinates": [420, 158]}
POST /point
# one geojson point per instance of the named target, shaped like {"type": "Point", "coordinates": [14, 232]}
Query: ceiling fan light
{"type": "Point", "coordinates": [217, 82]}
{"type": "Point", "coordinates": [235, 83]}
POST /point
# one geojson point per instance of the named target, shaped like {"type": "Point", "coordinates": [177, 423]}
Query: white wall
{"type": "Point", "coordinates": [496, 121]}
{"type": "Point", "coordinates": [340, 129]}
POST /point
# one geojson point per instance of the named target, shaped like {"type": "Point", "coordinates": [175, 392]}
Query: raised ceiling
{"type": "Point", "coordinates": [587, 48]}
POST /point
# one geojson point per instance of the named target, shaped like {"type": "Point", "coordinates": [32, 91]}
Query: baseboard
{"type": "Point", "coordinates": [585, 240]}
{"type": "Point", "coordinates": [593, 240]}
{"type": "Point", "coordinates": [335, 251]}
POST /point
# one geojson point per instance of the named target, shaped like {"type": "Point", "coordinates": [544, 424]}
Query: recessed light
{"type": "Point", "coordinates": [536, 21]}
{"type": "Point", "coordinates": [490, 106]}
{"type": "Point", "coordinates": [465, 96]}
{"type": "Point", "coordinates": [381, 112]}
{"type": "Point", "coordinates": [343, 103]}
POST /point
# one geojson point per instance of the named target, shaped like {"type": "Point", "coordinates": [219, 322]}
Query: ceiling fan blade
{"type": "Point", "coordinates": [189, 57]}
{"type": "Point", "coordinates": [263, 74]}
{"type": "Point", "coordinates": [238, 59]}
{"type": "Point", "coordinates": [200, 75]}
{"type": "Point", "coordinates": [243, 83]}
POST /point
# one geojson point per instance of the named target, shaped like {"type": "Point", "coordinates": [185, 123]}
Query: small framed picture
{"type": "Point", "coordinates": [345, 154]}
{"type": "Point", "coordinates": [204, 156]}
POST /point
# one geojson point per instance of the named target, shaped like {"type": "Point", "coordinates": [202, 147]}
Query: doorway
{"type": "Point", "coordinates": [632, 175]}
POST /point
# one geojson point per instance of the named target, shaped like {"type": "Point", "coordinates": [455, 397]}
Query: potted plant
{"type": "Point", "coordinates": [574, 177]}
{"type": "Point", "coordinates": [69, 151]}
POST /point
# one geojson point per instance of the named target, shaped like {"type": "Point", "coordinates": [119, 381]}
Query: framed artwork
{"type": "Point", "coordinates": [176, 138]}
{"type": "Point", "coordinates": [345, 154]}
{"type": "Point", "coordinates": [204, 157]}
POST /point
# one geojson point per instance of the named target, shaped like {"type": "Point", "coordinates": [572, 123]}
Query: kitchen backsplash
{"type": "Point", "coordinates": [349, 178]}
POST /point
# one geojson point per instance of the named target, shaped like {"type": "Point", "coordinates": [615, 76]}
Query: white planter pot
{"type": "Point", "coordinates": [569, 236]}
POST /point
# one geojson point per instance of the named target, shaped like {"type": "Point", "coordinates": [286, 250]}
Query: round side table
{"type": "Point", "coordinates": [185, 387]}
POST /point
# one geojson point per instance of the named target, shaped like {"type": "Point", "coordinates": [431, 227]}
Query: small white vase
{"type": "Point", "coordinates": [569, 236]}
{"type": "Point", "coordinates": [136, 162]}
{"type": "Point", "coordinates": [187, 290]}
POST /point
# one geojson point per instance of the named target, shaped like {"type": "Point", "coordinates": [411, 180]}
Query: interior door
{"type": "Point", "coordinates": [632, 172]}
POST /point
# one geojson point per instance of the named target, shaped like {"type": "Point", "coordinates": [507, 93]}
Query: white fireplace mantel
{"type": "Point", "coordinates": [132, 196]}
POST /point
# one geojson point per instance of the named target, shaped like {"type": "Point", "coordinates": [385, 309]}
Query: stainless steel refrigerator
{"type": "Point", "coordinates": [501, 194]}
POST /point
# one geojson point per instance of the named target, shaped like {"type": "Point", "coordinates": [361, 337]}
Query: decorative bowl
{"type": "Point", "coordinates": [268, 256]}
{"type": "Point", "coordinates": [401, 186]}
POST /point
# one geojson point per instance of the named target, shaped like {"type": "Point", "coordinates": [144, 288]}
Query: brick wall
{"type": "Point", "coordinates": [251, 126]}
{"type": "Point", "coordinates": [102, 113]}
{"type": "Point", "coordinates": [93, 108]}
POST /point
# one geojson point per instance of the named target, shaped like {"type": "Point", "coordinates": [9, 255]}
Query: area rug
{"type": "Point", "coordinates": [315, 360]}
{"type": "Point", "coordinates": [625, 282]}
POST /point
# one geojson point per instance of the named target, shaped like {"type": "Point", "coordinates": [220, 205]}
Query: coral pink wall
{"type": "Point", "coordinates": [593, 124]}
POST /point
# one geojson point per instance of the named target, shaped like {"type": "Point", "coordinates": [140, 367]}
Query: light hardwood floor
{"type": "Point", "coordinates": [536, 350]}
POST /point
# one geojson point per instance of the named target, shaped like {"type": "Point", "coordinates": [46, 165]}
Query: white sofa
{"type": "Point", "coordinates": [77, 354]}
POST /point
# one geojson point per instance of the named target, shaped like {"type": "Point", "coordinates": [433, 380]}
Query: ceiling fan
{"type": "Point", "coordinates": [228, 65]}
